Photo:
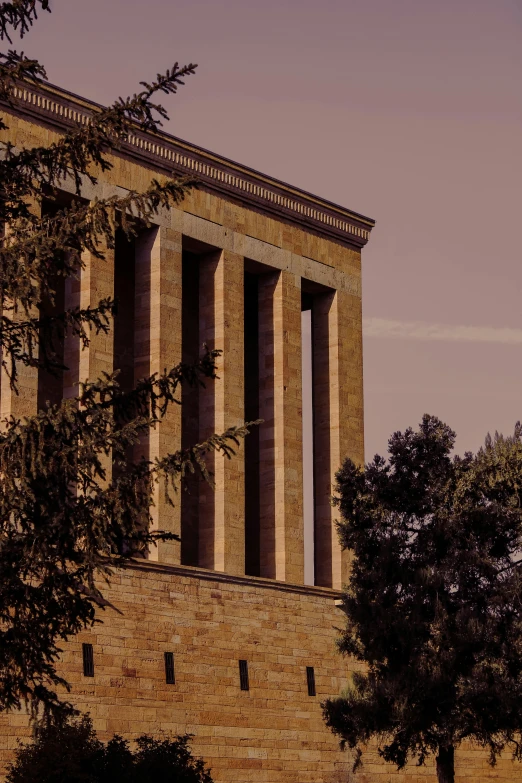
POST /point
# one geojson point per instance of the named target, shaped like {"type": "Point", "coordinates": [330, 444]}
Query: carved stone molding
{"type": "Point", "coordinates": [220, 576]}
{"type": "Point", "coordinates": [52, 106]}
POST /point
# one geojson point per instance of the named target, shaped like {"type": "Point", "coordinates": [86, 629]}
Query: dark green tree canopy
{"type": "Point", "coordinates": [70, 752]}
{"type": "Point", "coordinates": [62, 518]}
{"type": "Point", "coordinates": [433, 605]}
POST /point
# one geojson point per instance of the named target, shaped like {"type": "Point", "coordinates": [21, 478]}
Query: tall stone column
{"type": "Point", "coordinates": [96, 283]}
{"type": "Point", "coordinates": [24, 401]}
{"type": "Point", "coordinates": [157, 348]}
{"type": "Point", "coordinates": [280, 407]}
{"type": "Point", "coordinates": [338, 420]}
{"type": "Point", "coordinates": [222, 509]}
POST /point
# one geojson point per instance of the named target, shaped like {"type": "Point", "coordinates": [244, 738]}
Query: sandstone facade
{"type": "Point", "coordinates": [233, 589]}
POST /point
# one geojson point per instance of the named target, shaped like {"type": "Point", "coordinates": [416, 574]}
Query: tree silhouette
{"type": "Point", "coordinates": [62, 517]}
{"type": "Point", "coordinates": [70, 752]}
{"type": "Point", "coordinates": [433, 605]}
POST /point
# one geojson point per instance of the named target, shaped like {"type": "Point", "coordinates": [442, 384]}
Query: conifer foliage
{"type": "Point", "coordinates": [63, 518]}
{"type": "Point", "coordinates": [70, 752]}
{"type": "Point", "coordinates": [434, 601]}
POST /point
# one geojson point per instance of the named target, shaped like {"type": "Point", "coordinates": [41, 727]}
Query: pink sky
{"type": "Point", "coordinates": [409, 111]}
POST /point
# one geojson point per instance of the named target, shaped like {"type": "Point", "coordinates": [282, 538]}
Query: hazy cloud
{"type": "Point", "coordinates": [419, 330]}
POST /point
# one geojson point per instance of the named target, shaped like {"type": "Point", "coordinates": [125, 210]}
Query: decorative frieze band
{"type": "Point", "coordinates": [164, 149]}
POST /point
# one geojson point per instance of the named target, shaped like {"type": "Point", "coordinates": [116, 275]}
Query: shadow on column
{"type": "Point", "coordinates": [267, 434]}
{"type": "Point", "coordinates": [323, 534]}
{"type": "Point", "coordinates": [191, 349]}
{"type": "Point", "coordinates": [131, 341]}
{"type": "Point", "coordinates": [51, 381]}
{"type": "Point", "coordinates": [252, 486]}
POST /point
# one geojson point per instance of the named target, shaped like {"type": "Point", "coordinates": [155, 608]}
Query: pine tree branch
{"type": "Point", "coordinates": [62, 522]}
{"type": "Point", "coordinates": [19, 15]}
{"type": "Point", "coordinates": [36, 247]}
{"type": "Point", "coordinates": [24, 173]}
{"type": "Point", "coordinates": [73, 503]}
{"type": "Point", "coordinates": [15, 67]}
{"type": "Point", "coordinates": [34, 342]}
{"type": "Point", "coordinates": [31, 259]}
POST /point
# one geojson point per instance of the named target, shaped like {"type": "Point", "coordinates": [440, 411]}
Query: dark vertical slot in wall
{"type": "Point", "coordinates": [310, 680]}
{"type": "Point", "coordinates": [244, 683]}
{"type": "Point", "coordinates": [50, 381]}
{"type": "Point", "coordinates": [170, 676]}
{"type": "Point", "coordinates": [88, 660]}
{"type": "Point", "coordinates": [252, 484]}
{"type": "Point", "coordinates": [191, 350]}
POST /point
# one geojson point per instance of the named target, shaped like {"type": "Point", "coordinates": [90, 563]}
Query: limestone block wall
{"type": "Point", "coordinates": [226, 235]}
{"type": "Point", "coordinates": [272, 733]}
{"type": "Point", "coordinates": [240, 230]}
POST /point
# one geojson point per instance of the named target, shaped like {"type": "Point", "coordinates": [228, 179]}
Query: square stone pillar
{"type": "Point", "coordinates": [280, 407]}
{"type": "Point", "coordinates": [338, 420]}
{"type": "Point", "coordinates": [157, 347]}
{"type": "Point", "coordinates": [24, 401]}
{"type": "Point", "coordinates": [96, 283]}
{"type": "Point", "coordinates": [222, 509]}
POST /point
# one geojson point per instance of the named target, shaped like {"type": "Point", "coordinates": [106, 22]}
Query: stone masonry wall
{"type": "Point", "coordinates": [273, 733]}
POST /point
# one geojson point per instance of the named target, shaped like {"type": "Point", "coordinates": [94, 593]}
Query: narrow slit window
{"type": "Point", "coordinates": [243, 676]}
{"type": "Point", "coordinates": [310, 680]}
{"type": "Point", "coordinates": [88, 660]}
{"type": "Point", "coordinates": [170, 677]}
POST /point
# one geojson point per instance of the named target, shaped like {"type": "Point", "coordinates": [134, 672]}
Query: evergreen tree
{"type": "Point", "coordinates": [70, 752]}
{"type": "Point", "coordinates": [62, 517]}
{"type": "Point", "coordinates": [433, 605]}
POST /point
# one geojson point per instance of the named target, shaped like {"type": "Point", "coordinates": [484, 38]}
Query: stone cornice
{"type": "Point", "coordinates": [49, 105]}
{"type": "Point", "coordinates": [219, 576]}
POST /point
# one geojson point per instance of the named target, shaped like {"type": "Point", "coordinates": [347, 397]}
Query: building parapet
{"type": "Point", "coordinates": [50, 105]}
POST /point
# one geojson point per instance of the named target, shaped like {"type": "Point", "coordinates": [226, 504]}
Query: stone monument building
{"type": "Point", "coordinates": [230, 633]}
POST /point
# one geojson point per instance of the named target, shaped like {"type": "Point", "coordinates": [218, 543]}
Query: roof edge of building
{"type": "Point", "coordinates": [54, 106]}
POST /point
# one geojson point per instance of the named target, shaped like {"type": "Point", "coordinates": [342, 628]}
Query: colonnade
{"type": "Point", "coordinates": [214, 521]}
